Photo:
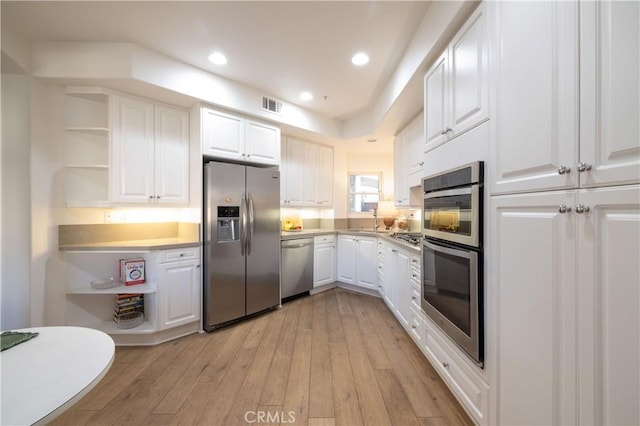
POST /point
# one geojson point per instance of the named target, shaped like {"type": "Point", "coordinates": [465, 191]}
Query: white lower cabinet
{"type": "Point", "coordinates": [461, 377]}
{"type": "Point", "coordinates": [324, 260]}
{"type": "Point", "coordinates": [400, 289]}
{"type": "Point", "coordinates": [357, 261]}
{"type": "Point", "coordinates": [178, 289]}
{"type": "Point", "coordinates": [566, 307]}
{"type": "Point", "coordinates": [171, 293]}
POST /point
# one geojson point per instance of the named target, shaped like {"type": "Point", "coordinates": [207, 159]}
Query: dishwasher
{"type": "Point", "coordinates": [296, 271]}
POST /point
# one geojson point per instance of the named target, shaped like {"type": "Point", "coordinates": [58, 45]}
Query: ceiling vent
{"type": "Point", "coordinates": [272, 105]}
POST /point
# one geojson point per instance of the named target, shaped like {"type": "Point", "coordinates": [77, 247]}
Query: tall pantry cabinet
{"type": "Point", "coordinates": [565, 213]}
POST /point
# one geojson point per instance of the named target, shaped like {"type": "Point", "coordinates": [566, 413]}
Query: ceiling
{"type": "Point", "coordinates": [282, 48]}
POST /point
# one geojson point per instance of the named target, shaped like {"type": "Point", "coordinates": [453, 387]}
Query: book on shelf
{"type": "Point", "coordinates": [128, 308]}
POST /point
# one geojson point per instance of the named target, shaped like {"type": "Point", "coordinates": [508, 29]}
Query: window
{"type": "Point", "coordinates": [364, 191]}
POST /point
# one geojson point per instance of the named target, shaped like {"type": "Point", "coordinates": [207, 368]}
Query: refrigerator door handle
{"type": "Point", "coordinates": [251, 219]}
{"type": "Point", "coordinates": [243, 219]}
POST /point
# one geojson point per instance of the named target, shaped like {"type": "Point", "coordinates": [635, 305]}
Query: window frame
{"type": "Point", "coordinates": [380, 175]}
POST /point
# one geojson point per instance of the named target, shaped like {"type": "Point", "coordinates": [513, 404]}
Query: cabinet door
{"type": "Point", "coordinates": [309, 176]}
{"type": "Point", "coordinates": [132, 151]}
{"type": "Point", "coordinates": [324, 184]}
{"type": "Point", "coordinates": [171, 155]}
{"type": "Point", "coordinates": [534, 309]}
{"type": "Point", "coordinates": [403, 287]}
{"type": "Point", "coordinates": [262, 144]}
{"type": "Point", "coordinates": [610, 92]}
{"type": "Point", "coordinates": [222, 135]}
{"type": "Point", "coordinates": [468, 75]}
{"type": "Point", "coordinates": [536, 96]}
{"type": "Point", "coordinates": [367, 275]}
{"type": "Point", "coordinates": [178, 293]}
{"type": "Point", "coordinates": [347, 259]}
{"type": "Point", "coordinates": [324, 264]}
{"type": "Point", "coordinates": [435, 104]}
{"type": "Point", "coordinates": [294, 166]}
{"type": "Point", "coordinates": [609, 318]}
{"type": "Point", "coordinates": [414, 151]}
{"type": "Point", "coordinates": [401, 183]}
{"type": "Point", "coordinates": [390, 276]}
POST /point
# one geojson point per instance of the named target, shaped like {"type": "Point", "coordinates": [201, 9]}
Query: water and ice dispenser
{"type": "Point", "coordinates": [228, 223]}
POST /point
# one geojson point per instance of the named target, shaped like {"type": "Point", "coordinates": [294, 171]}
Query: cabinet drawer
{"type": "Point", "coordinates": [468, 386]}
{"type": "Point", "coordinates": [415, 298]}
{"type": "Point", "coordinates": [187, 253]}
{"type": "Point", "coordinates": [321, 239]}
{"type": "Point", "coordinates": [416, 323]}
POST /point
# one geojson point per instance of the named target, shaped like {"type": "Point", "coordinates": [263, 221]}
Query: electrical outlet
{"type": "Point", "coordinates": [114, 216]}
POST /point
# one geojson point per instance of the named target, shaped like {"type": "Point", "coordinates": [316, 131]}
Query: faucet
{"type": "Point", "coordinates": [375, 223]}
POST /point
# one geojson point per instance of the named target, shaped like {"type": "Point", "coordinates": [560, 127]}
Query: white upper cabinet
{"type": "Point", "coordinates": [567, 95]}
{"type": "Point", "coordinates": [609, 92]}
{"type": "Point", "coordinates": [324, 184]}
{"type": "Point", "coordinates": [132, 150]}
{"type": "Point", "coordinates": [171, 147]}
{"type": "Point", "coordinates": [415, 150]}
{"type": "Point", "coordinates": [222, 135]}
{"type": "Point", "coordinates": [456, 87]}
{"type": "Point", "coordinates": [150, 153]}
{"type": "Point", "coordinates": [408, 161]}
{"type": "Point", "coordinates": [401, 178]}
{"type": "Point", "coordinates": [262, 143]}
{"type": "Point", "coordinates": [306, 174]}
{"type": "Point", "coordinates": [236, 138]}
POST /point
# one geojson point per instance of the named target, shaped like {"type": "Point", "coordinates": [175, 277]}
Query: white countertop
{"type": "Point", "coordinates": [45, 375]}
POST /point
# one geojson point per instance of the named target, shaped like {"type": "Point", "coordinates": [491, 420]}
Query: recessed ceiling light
{"type": "Point", "coordinates": [306, 96]}
{"type": "Point", "coordinates": [360, 59]}
{"type": "Point", "coordinates": [218, 58]}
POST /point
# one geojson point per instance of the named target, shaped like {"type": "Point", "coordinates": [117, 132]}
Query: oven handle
{"type": "Point", "coordinates": [449, 193]}
{"type": "Point", "coordinates": [467, 254]}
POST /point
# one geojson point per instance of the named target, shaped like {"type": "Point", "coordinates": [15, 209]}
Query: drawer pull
{"type": "Point", "coordinates": [445, 364]}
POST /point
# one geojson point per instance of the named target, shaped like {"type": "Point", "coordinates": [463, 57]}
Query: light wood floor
{"type": "Point", "coordinates": [335, 358]}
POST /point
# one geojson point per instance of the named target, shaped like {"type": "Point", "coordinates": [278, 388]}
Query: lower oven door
{"type": "Point", "coordinates": [452, 293]}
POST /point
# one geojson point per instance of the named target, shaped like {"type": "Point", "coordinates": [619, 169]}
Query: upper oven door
{"type": "Point", "coordinates": [453, 215]}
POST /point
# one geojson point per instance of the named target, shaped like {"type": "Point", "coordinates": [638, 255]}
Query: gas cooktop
{"type": "Point", "coordinates": [412, 238]}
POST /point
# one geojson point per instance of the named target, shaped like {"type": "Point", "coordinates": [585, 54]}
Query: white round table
{"type": "Point", "coordinates": [45, 375]}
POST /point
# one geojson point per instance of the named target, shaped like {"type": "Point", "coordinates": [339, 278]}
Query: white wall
{"type": "Point", "coordinates": [15, 202]}
{"type": "Point", "coordinates": [47, 204]}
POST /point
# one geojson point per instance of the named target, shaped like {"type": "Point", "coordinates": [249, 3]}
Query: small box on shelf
{"type": "Point", "coordinates": [132, 271]}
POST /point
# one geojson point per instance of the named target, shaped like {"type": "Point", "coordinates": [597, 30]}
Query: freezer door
{"type": "Point", "coordinates": [263, 244]}
{"type": "Point", "coordinates": [224, 265]}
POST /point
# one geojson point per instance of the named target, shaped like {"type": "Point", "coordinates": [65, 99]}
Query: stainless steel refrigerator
{"type": "Point", "coordinates": [241, 241]}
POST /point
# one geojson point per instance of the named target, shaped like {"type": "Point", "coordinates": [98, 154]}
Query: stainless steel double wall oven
{"type": "Point", "coordinates": [452, 258]}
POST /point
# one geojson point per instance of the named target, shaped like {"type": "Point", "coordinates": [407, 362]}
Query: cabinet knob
{"type": "Point", "coordinates": [151, 197]}
{"type": "Point", "coordinates": [413, 327]}
{"type": "Point", "coordinates": [421, 163]}
{"type": "Point", "coordinates": [581, 208]}
{"type": "Point", "coordinates": [564, 170]}
{"type": "Point", "coordinates": [583, 167]}
{"type": "Point", "coordinates": [445, 364]}
{"type": "Point", "coordinates": [564, 208]}
{"type": "Point", "coordinates": [413, 298]}
{"type": "Point", "coordinates": [157, 197]}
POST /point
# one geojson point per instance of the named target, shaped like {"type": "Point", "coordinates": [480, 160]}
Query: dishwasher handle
{"type": "Point", "coordinates": [296, 243]}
